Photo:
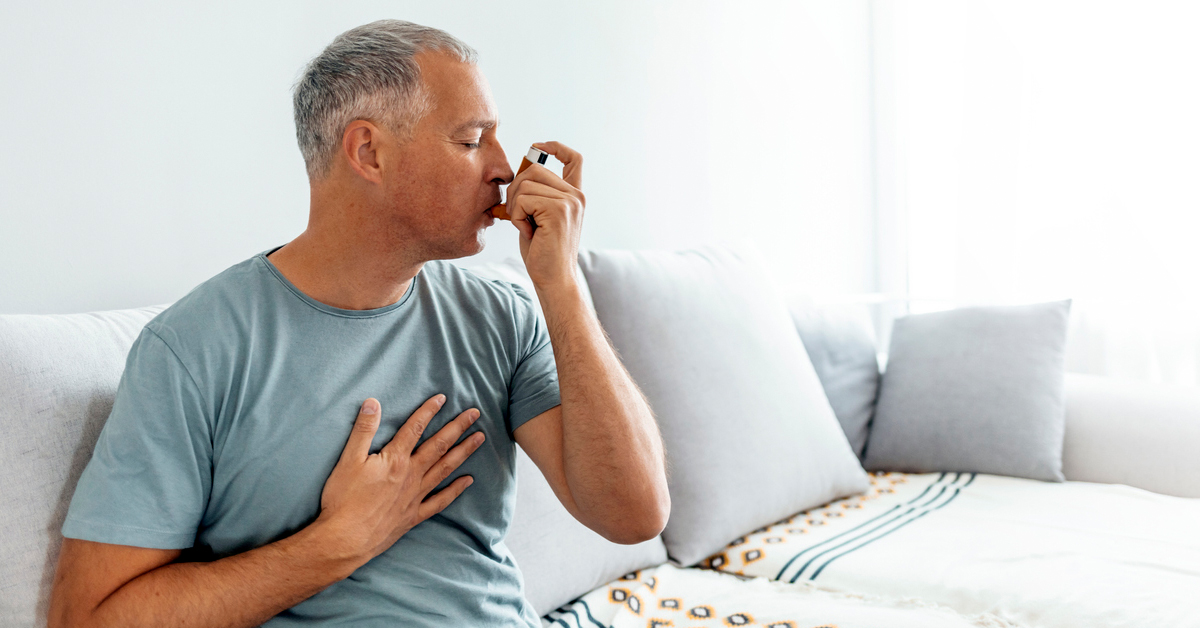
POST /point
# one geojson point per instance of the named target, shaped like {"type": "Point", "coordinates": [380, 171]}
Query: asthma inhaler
{"type": "Point", "coordinates": [534, 156]}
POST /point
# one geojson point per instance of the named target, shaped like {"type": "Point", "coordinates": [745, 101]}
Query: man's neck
{"type": "Point", "coordinates": [344, 273]}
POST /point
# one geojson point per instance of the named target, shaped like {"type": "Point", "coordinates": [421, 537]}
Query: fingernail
{"type": "Point", "coordinates": [370, 406]}
{"type": "Point", "coordinates": [470, 480]}
{"type": "Point", "coordinates": [478, 436]}
{"type": "Point", "coordinates": [440, 399]}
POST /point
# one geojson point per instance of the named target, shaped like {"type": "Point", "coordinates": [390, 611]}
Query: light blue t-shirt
{"type": "Point", "coordinates": [237, 401]}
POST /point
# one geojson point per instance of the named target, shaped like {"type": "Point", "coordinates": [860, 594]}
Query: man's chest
{"type": "Point", "coordinates": [285, 419]}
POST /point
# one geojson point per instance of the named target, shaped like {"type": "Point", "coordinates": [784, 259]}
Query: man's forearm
{"type": "Point", "coordinates": [242, 590]}
{"type": "Point", "coordinates": [612, 450]}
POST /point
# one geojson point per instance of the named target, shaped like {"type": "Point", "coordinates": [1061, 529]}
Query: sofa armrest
{"type": "Point", "coordinates": [1133, 433]}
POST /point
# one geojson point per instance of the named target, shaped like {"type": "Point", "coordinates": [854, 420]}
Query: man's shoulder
{"type": "Point", "coordinates": [213, 308]}
{"type": "Point", "coordinates": [479, 286]}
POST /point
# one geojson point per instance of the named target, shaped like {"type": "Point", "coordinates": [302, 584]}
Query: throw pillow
{"type": "Point", "coordinates": [976, 389]}
{"type": "Point", "coordinates": [840, 343]}
{"type": "Point", "coordinates": [749, 435]}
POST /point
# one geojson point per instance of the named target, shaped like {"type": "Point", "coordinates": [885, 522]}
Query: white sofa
{"type": "Point", "coordinates": [58, 375]}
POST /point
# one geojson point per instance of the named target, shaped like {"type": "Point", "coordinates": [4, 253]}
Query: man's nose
{"type": "Point", "coordinates": [503, 172]}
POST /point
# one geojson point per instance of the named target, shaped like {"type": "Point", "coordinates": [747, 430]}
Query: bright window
{"type": "Point", "coordinates": [1036, 150]}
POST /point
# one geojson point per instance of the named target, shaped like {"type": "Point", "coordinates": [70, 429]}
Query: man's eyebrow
{"type": "Point", "coordinates": [481, 124]}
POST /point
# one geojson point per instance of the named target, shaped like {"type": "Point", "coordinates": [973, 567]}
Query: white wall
{"type": "Point", "coordinates": [147, 146]}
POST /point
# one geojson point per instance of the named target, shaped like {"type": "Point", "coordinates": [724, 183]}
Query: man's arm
{"type": "Point", "coordinates": [368, 503]}
{"type": "Point", "coordinates": [600, 450]}
{"type": "Point", "coordinates": [99, 584]}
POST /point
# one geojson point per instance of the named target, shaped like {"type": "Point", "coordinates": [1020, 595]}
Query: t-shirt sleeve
{"type": "Point", "coordinates": [150, 476]}
{"type": "Point", "coordinates": [534, 387]}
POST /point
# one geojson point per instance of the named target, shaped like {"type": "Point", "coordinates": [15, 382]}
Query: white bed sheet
{"type": "Point", "coordinates": [1032, 553]}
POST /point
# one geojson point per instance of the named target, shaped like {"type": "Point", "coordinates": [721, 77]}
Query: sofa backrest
{"type": "Point", "coordinates": [58, 377]}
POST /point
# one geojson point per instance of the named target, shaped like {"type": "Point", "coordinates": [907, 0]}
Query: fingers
{"type": "Point", "coordinates": [439, 444]}
{"type": "Point", "coordinates": [571, 160]}
{"type": "Point", "coordinates": [519, 208]}
{"type": "Point", "coordinates": [541, 175]}
{"type": "Point", "coordinates": [410, 433]}
{"type": "Point", "coordinates": [538, 188]}
{"type": "Point", "coordinates": [451, 461]}
{"type": "Point", "coordinates": [521, 219]}
{"type": "Point", "coordinates": [437, 503]}
{"type": "Point", "coordinates": [543, 203]}
{"type": "Point", "coordinates": [358, 446]}
{"type": "Point", "coordinates": [542, 209]}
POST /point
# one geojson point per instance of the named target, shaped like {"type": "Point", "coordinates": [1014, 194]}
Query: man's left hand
{"type": "Point", "coordinates": [556, 205]}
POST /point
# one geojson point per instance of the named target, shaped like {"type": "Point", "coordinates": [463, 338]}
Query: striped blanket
{"type": "Point", "coordinates": [944, 547]}
{"type": "Point", "coordinates": [666, 596]}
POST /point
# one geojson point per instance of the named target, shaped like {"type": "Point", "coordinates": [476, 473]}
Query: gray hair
{"type": "Point", "coordinates": [366, 73]}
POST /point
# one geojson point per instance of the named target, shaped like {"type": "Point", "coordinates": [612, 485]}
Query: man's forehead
{"type": "Point", "coordinates": [463, 100]}
{"type": "Point", "coordinates": [476, 124]}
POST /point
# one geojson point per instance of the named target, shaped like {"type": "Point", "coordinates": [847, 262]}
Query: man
{"type": "Point", "coordinates": [241, 479]}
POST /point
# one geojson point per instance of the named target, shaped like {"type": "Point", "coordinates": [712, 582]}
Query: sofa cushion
{"type": "Point", "coordinates": [749, 435]}
{"type": "Point", "coordinates": [560, 558]}
{"type": "Point", "coordinates": [58, 377]}
{"type": "Point", "coordinates": [975, 389]}
{"type": "Point", "coordinates": [841, 346]}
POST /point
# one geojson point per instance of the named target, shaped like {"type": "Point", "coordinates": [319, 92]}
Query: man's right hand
{"type": "Point", "coordinates": [371, 500]}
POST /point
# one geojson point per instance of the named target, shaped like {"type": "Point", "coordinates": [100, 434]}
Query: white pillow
{"type": "Point", "coordinates": [749, 433]}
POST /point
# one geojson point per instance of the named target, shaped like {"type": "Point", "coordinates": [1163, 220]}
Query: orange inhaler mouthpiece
{"type": "Point", "coordinates": [534, 156]}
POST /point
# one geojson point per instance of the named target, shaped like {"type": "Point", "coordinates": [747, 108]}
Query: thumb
{"type": "Point", "coordinates": [358, 446]}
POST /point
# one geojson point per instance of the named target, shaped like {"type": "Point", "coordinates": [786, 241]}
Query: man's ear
{"type": "Point", "coordinates": [360, 146]}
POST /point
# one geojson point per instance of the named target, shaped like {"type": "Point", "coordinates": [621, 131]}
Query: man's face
{"type": "Point", "coordinates": [442, 182]}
